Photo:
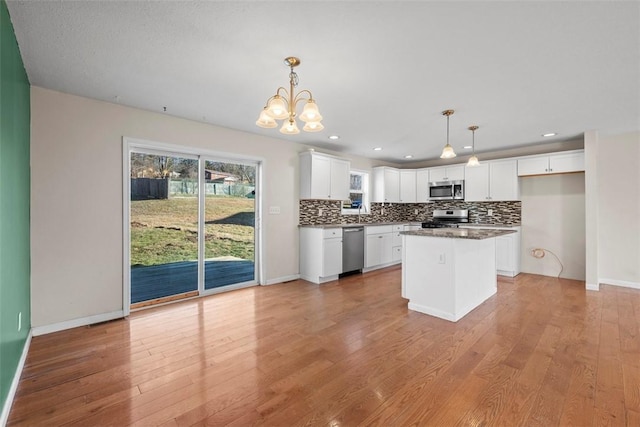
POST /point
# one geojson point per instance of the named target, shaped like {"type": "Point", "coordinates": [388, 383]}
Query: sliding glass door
{"type": "Point", "coordinates": [164, 228]}
{"type": "Point", "coordinates": [229, 226]}
{"type": "Point", "coordinates": [192, 225]}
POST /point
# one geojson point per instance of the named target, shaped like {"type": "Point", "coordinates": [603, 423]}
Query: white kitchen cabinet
{"type": "Point", "coordinates": [422, 185]}
{"type": "Point", "coordinates": [379, 246]}
{"type": "Point", "coordinates": [407, 186]}
{"type": "Point", "coordinates": [396, 243]}
{"type": "Point", "coordinates": [552, 163]}
{"type": "Point", "coordinates": [449, 173]}
{"type": "Point", "coordinates": [507, 250]}
{"type": "Point", "coordinates": [320, 254]}
{"type": "Point", "coordinates": [323, 176]}
{"type": "Point", "coordinates": [476, 184]}
{"type": "Point", "coordinates": [386, 185]}
{"type": "Point", "coordinates": [492, 181]}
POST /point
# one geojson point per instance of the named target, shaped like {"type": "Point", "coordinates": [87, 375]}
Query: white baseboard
{"type": "Point", "coordinates": [593, 287]}
{"type": "Point", "coordinates": [281, 279]}
{"type": "Point", "coordinates": [74, 323]}
{"type": "Point", "coordinates": [6, 408]}
{"type": "Point", "coordinates": [623, 283]}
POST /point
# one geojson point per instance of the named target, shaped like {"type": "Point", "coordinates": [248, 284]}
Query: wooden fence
{"type": "Point", "coordinates": [149, 188]}
{"type": "Point", "coordinates": [162, 188]}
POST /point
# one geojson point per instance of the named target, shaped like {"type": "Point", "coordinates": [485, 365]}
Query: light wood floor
{"type": "Point", "coordinates": [542, 352]}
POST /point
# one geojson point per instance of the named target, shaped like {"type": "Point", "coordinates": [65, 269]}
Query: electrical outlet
{"type": "Point", "coordinates": [415, 212]}
{"type": "Point", "coordinates": [381, 211]}
{"type": "Point", "coordinates": [489, 212]}
{"type": "Point", "coordinates": [441, 259]}
{"type": "Point", "coordinates": [320, 212]}
{"type": "Point", "coordinates": [19, 321]}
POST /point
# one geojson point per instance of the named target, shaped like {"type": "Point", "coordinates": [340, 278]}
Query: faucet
{"type": "Point", "coordinates": [360, 206]}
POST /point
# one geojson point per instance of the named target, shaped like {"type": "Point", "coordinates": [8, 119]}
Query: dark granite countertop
{"type": "Point", "coordinates": [480, 225]}
{"type": "Point", "coordinates": [459, 233]}
{"type": "Point", "coordinates": [369, 224]}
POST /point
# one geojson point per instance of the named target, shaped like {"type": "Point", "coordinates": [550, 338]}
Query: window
{"type": "Point", "coordinates": [358, 194]}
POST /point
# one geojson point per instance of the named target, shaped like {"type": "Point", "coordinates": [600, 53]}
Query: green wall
{"type": "Point", "coordinates": [15, 120]}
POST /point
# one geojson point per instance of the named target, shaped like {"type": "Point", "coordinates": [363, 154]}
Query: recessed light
{"type": "Point", "coordinates": [408, 156]}
{"type": "Point", "coordinates": [334, 137]}
{"type": "Point", "coordinates": [377, 149]}
{"type": "Point", "coordinates": [549, 134]}
{"type": "Point", "coordinates": [467, 147]}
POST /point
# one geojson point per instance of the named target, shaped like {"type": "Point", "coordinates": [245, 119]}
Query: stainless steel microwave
{"type": "Point", "coordinates": [446, 190]}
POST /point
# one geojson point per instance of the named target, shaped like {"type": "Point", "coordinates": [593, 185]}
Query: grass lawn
{"type": "Point", "coordinates": [164, 231]}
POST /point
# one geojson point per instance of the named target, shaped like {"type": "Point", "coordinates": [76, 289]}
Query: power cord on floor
{"type": "Point", "coordinates": [541, 252]}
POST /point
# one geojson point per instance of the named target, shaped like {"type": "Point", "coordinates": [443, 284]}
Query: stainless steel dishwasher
{"type": "Point", "coordinates": [352, 249]}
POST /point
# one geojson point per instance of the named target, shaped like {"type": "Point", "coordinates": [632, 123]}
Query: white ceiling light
{"type": "Point", "coordinates": [281, 108]}
{"type": "Point", "coordinates": [377, 149]}
{"type": "Point", "coordinates": [549, 134]}
{"type": "Point", "coordinates": [408, 156]}
{"type": "Point", "coordinates": [473, 160]}
{"type": "Point", "coordinates": [447, 151]}
{"type": "Point", "coordinates": [334, 137]}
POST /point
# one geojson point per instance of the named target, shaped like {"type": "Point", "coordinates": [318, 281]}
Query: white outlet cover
{"type": "Point", "coordinates": [274, 210]}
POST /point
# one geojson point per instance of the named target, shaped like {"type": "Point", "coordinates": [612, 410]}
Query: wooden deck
{"type": "Point", "coordinates": [158, 281]}
{"type": "Point", "coordinates": [541, 352]}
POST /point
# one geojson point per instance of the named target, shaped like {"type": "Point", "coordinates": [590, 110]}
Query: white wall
{"type": "Point", "coordinates": [76, 200]}
{"type": "Point", "coordinates": [553, 217]}
{"type": "Point", "coordinates": [619, 209]}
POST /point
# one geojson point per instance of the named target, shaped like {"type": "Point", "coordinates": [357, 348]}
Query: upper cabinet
{"type": "Point", "coordinates": [422, 185]}
{"type": "Point", "coordinates": [449, 173]}
{"type": "Point", "coordinates": [386, 184]}
{"type": "Point", "coordinates": [492, 181]}
{"type": "Point", "coordinates": [552, 163]}
{"type": "Point", "coordinates": [323, 176]}
{"type": "Point", "coordinates": [407, 186]}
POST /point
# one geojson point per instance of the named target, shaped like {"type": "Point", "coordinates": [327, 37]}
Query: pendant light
{"type": "Point", "coordinates": [473, 160]}
{"type": "Point", "coordinates": [447, 151]}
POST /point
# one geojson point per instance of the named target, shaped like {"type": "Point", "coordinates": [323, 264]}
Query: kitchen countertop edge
{"type": "Point", "coordinates": [373, 224]}
{"type": "Point", "coordinates": [459, 233]}
{"type": "Point", "coordinates": [370, 224]}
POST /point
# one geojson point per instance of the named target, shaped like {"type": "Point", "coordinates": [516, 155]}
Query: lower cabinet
{"type": "Point", "coordinates": [508, 254]}
{"type": "Point", "coordinates": [396, 243]}
{"type": "Point", "coordinates": [321, 250]}
{"type": "Point", "coordinates": [320, 254]}
{"type": "Point", "coordinates": [507, 251]}
{"type": "Point", "coordinates": [378, 249]}
{"type": "Point", "coordinates": [383, 245]}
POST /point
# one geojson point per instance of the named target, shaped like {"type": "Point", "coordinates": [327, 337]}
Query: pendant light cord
{"type": "Point", "coordinates": [473, 142]}
{"type": "Point", "coordinates": [447, 129]}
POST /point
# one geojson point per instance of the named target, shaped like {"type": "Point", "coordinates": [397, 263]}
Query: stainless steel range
{"type": "Point", "coordinates": [443, 218]}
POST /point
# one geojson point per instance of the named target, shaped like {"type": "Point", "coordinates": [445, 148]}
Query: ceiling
{"type": "Point", "coordinates": [381, 72]}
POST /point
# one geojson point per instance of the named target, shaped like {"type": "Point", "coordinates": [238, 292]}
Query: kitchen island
{"type": "Point", "coordinates": [447, 272]}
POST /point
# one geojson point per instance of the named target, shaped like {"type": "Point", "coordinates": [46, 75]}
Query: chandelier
{"type": "Point", "coordinates": [447, 151]}
{"type": "Point", "coordinates": [282, 106]}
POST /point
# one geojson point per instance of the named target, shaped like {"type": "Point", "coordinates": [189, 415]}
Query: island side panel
{"type": "Point", "coordinates": [475, 271]}
{"type": "Point", "coordinates": [428, 274]}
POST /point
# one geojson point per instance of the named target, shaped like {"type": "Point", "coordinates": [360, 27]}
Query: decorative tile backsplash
{"type": "Point", "coordinates": [313, 212]}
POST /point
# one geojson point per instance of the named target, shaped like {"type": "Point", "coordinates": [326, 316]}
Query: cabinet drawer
{"type": "Point", "coordinates": [396, 255]}
{"type": "Point", "coordinates": [379, 229]}
{"type": "Point", "coordinates": [328, 233]}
